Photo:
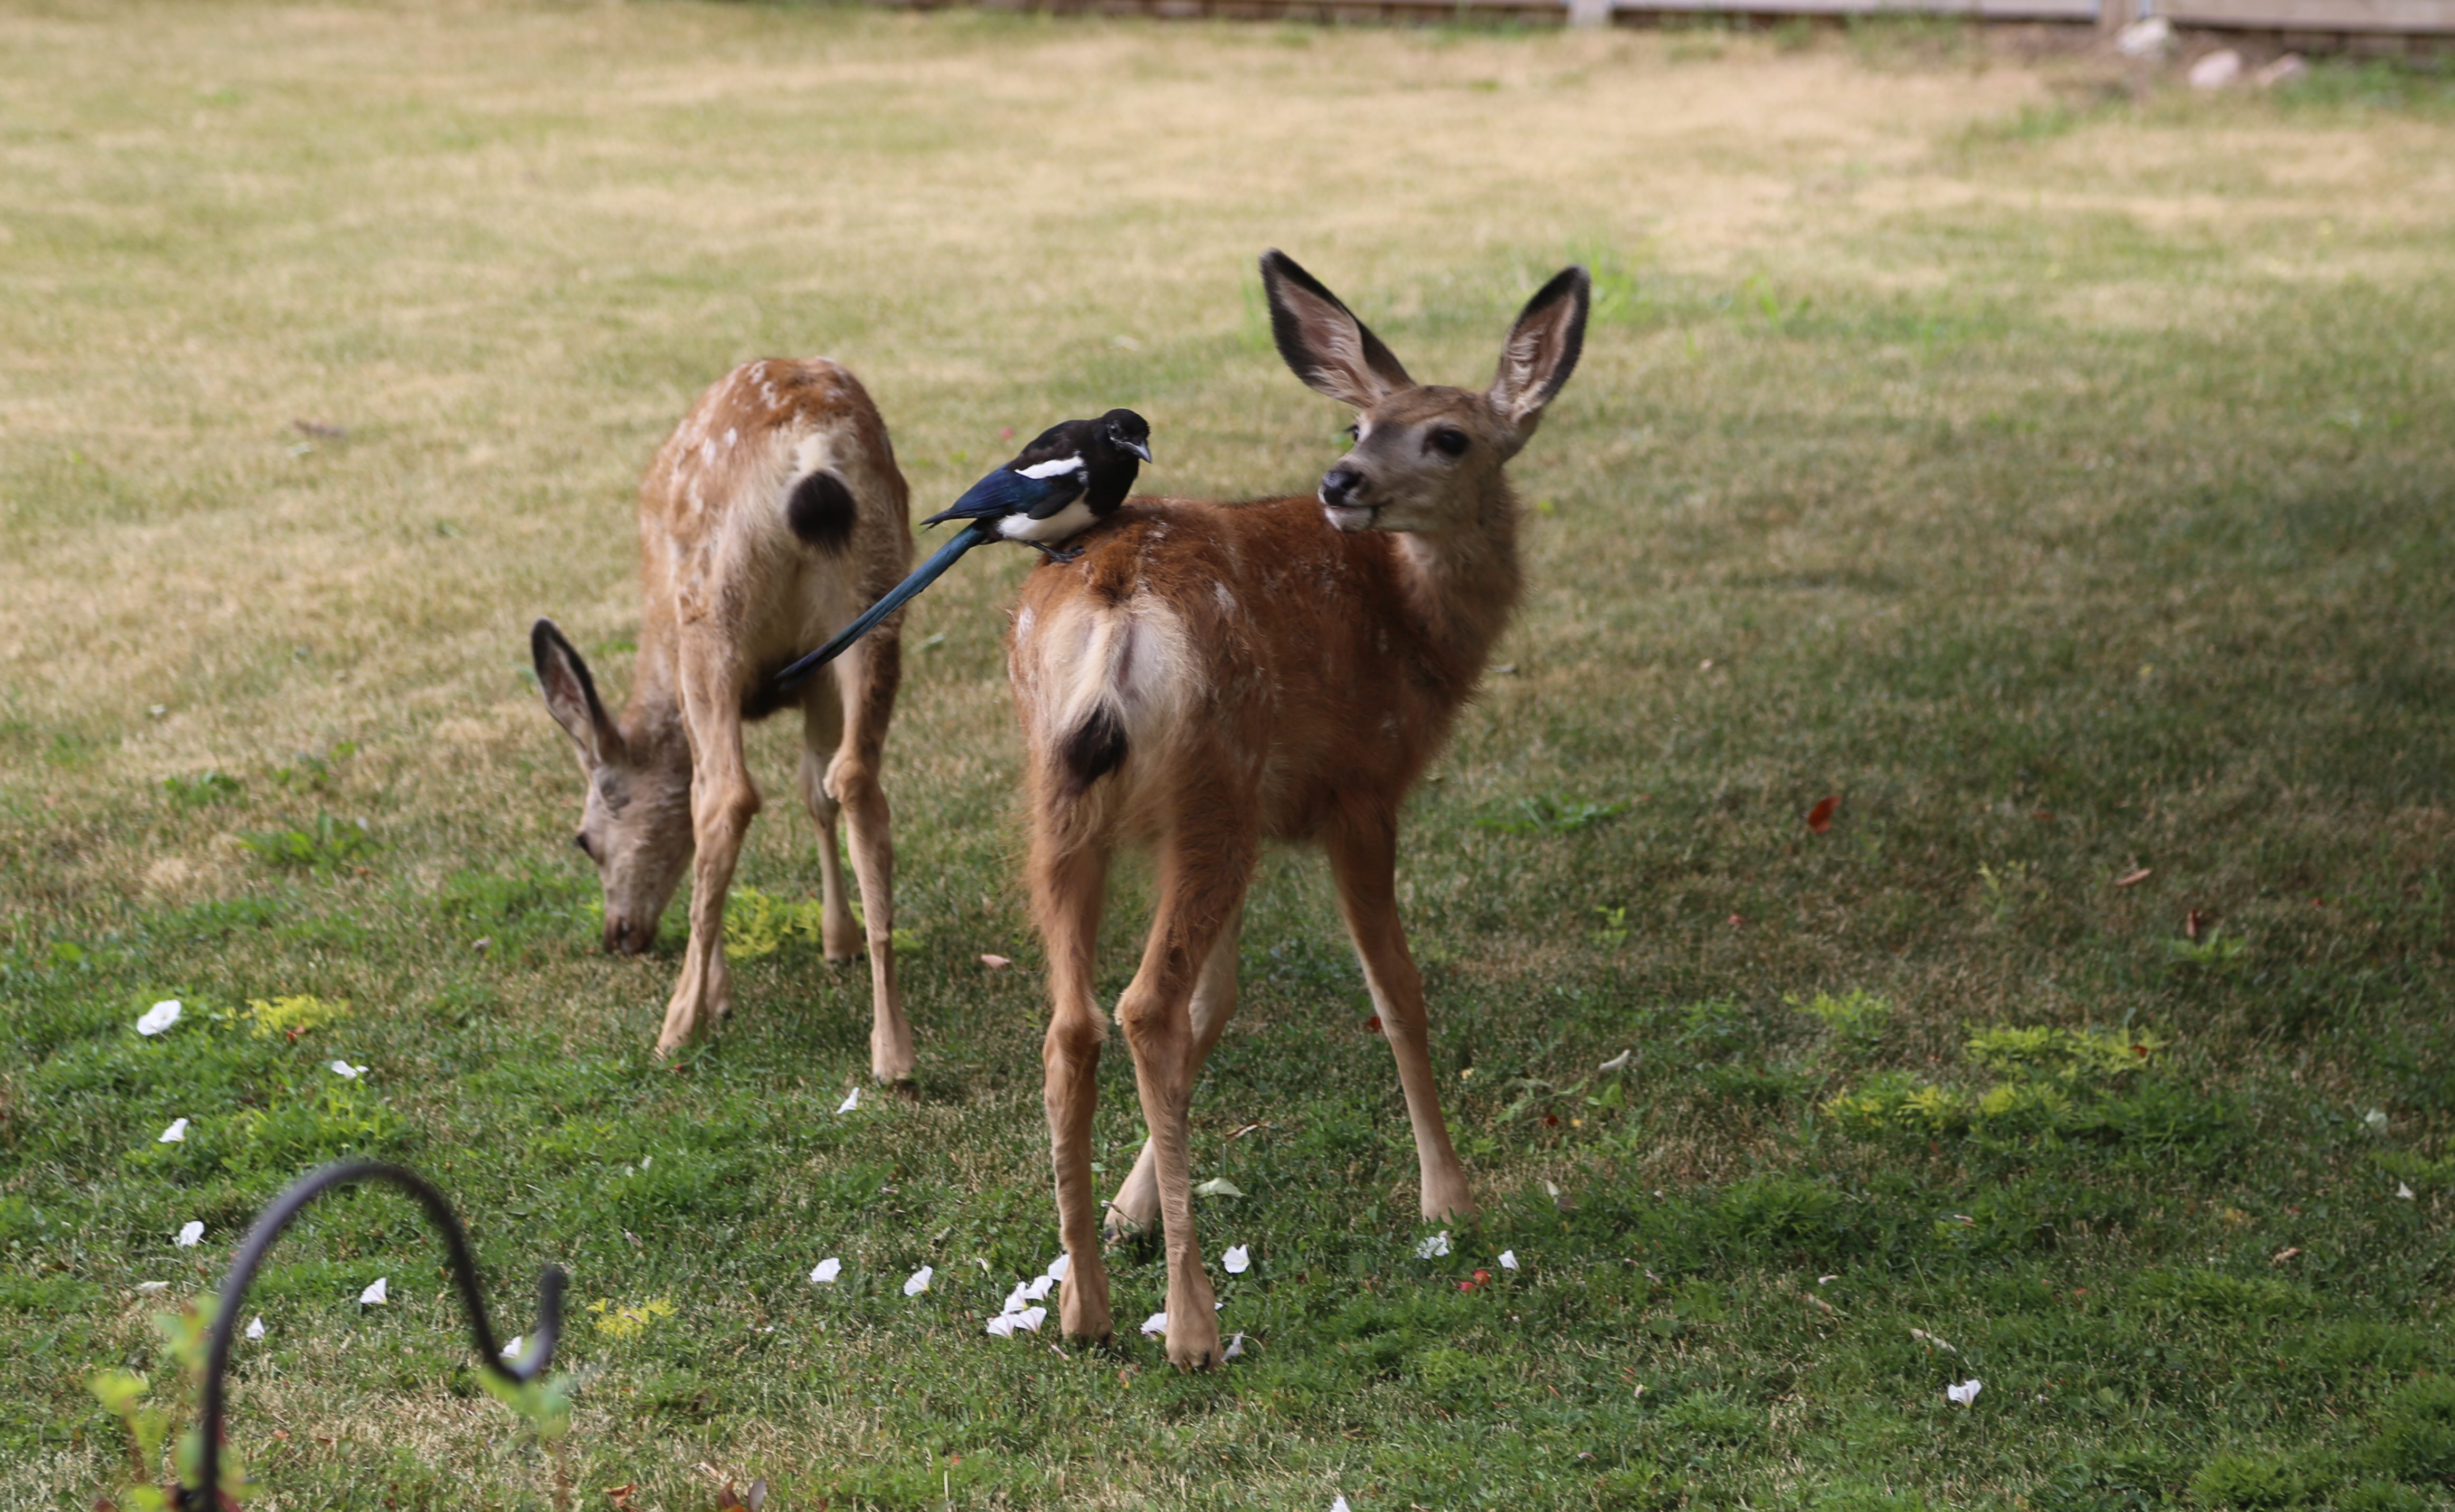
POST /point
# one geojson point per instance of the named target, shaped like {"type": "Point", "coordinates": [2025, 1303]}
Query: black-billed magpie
{"type": "Point", "coordinates": [1073, 476]}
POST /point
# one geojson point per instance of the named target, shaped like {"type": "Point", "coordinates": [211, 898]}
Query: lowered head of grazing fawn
{"type": "Point", "coordinates": [1211, 676]}
{"type": "Point", "coordinates": [636, 821]}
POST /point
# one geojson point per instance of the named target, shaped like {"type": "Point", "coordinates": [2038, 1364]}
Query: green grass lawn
{"type": "Point", "coordinates": [2056, 472]}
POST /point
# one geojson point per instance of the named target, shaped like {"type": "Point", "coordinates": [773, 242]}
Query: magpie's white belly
{"type": "Point", "coordinates": [1073, 519]}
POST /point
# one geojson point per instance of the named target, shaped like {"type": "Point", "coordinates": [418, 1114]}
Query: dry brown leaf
{"type": "Point", "coordinates": [1819, 819]}
{"type": "Point", "coordinates": [2134, 878]}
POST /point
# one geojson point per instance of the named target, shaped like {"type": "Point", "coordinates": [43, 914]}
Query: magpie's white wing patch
{"type": "Point", "coordinates": [1054, 467]}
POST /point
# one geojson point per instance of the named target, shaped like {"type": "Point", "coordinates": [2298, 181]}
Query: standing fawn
{"type": "Point", "coordinates": [1208, 677]}
{"type": "Point", "coordinates": [773, 515]}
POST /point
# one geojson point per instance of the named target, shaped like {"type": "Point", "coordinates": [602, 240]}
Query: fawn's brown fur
{"type": "Point", "coordinates": [773, 515]}
{"type": "Point", "coordinates": [1208, 677]}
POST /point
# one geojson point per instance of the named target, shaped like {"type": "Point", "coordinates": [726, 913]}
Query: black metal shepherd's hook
{"type": "Point", "coordinates": [205, 1496]}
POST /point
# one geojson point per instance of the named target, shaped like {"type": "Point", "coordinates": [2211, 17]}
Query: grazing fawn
{"type": "Point", "coordinates": [772, 515]}
{"type": "Point", "coordinates": [1211, 676]}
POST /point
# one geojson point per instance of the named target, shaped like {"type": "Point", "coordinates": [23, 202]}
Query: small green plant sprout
{"type": "Point", "coordinates": [1614, 927]}
{"type": "Point", "coordinates": [1544, 815]}
{"type": "Point", "coordinates": [1856, 1017]}
{"type": "Point", "coordinates": [324, 847]}
{"type": "Point", "coordinates": [208, 786]}
{"type": "Point", "coordinates": [314, 774]}
{"type": "Point", "coordinates": [757, 924]}
{"type": "Point", "coordinates": [2001, 889]}
{"type": "Point", "coordinates": [2210, 953]}
{"type": "Point", "coordinates": [149, 1426]}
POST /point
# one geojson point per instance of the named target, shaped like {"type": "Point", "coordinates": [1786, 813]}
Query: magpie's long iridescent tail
{"type": "Point", "coordinates": [928, 573]}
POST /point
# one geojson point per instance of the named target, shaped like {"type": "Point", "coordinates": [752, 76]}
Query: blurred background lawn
{"type": "Point", "coordinates": [2055, 473]}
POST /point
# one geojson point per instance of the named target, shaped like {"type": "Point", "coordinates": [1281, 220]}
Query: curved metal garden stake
{"type": "Point", "coordinates": [205, 1496]}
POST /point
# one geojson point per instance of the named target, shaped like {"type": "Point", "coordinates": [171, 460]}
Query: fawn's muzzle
{"type": "Point", "coordinates": [1342, 498]}
{"type": "Point", "coordinates": [623, 938]}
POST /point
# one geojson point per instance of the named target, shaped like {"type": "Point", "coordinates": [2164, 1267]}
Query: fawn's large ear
{"type": "Point", "coordinates": [1542, 350]}
{"type": "Point", "coordinates": [1321, 339]}
{"type": "Point", "coordinates": [571, 697]}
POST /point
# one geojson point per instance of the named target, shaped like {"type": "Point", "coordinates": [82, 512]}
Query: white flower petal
{"type": "Point", "coordinates": [825, 1272]}
{"type": "Point", "coordinates": [176, 1131]}
{"type": "Point", "coordinates": [852, 1100]}
{"type": "Point", "coordinates": [348, 1071]}
{"type": "Point", "coordinates": [513, 1348]}
{"type": "Point", "coordinates": [1965, 1393]}
{"type": "Point", "coordinates": [1339, 1505]}
{"type": "Point", "coordinates": [917, 1281]}
{"type": "Point", "coordinates": [256, 1327]}
{"type": "Point", "coordinates": [1509, 1259]}
{"type": "Point", "coordinates": [2403, 1191]}
{"type": "Point", "coordinates": [1235, 1347]}
{"type": "Point", "coordinates": [377, 1294]}
{"type": "Point", "coordinates": [1015, 1298]}
{"type": "Point", "coordinates": [1038, 1289]}
{"type": "Point", "coordinates": [1438, 1244]}
{"type": "Point", "coordinates": [1219, 1186]}
{"type": "Point", "coordinates": [158, 1018]}
{"type": "Point", "coordinates": [1155, 1323]}
{"type": "Point", "coordinates": [1236, 1261]}
{"type": "Point", "coordinates": [152, 1288]}
{"type": "Point", "coordinates": [190, 1234]}
{"type": "Point", "coordinates": [1030, 1319]}
{"type": "Point", "coordinates": [645, 1161]}
{"type": "Point", "coordinates": [1002, 1326]}
{"type": "Point", "coordinates": [1057, 1267]}
{"type": "Point", "coordinates": [1821, 1280]}
{"type": "Point", "coordinates": [2376, 1117]}
{"type": "Point", "coordinates": [1617, 1062]}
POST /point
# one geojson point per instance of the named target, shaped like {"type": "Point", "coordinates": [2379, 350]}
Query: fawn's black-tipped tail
{"type": "Point", "coordinates": [928, 573]}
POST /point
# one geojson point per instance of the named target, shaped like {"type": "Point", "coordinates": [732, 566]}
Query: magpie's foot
{"type": "Point", "coordinates": [1056, 554]}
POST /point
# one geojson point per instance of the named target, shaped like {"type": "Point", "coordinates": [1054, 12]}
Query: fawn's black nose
{"type": "Point", "coordinates": [1340, 485]}
{"type": "Point", "coordinates": [622, 938]}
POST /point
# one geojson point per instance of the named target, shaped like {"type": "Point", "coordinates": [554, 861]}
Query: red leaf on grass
{"type": "Point", "coordinates": [2194, 924]}
{"type": "Point", "coordinates": [1819, 819]}
{"type": "Point", "coordinates": [1372, 1025]}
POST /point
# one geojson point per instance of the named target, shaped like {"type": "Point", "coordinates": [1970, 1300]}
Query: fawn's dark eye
{"type": "Point", "coordinates": [1449, 441]}
{"type": "Point", "coordinates": [1352, 431]}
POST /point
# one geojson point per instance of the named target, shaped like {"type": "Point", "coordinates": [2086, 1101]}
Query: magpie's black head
{"type": "Point", "coordinates": [1126, 432]}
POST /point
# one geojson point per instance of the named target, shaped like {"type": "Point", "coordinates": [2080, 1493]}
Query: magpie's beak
{"type": "Point", "coordinates": [1140, 449]}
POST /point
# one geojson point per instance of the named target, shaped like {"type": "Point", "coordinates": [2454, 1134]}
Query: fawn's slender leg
{"type": "Point", "coordinates": [1214, 1002]}
{"type": "Point", "coordinates": [1202, 877]}
{"type": "Point", "coordinates": [868, 675]}
{"type": "Point", "coordinates": [724, 801]}
{"type": "Point", "coordinates": [1363, 861]}
{"type": "Point", "coordinates": [821, 730]}
{"type": "Point", "coordinates": [1069, 883]}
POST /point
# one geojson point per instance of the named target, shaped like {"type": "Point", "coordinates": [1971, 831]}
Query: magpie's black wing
{"type": "Point", "coordinates": [1007, 492]}
{"type": "Point", "coordinates": [1064, 439]}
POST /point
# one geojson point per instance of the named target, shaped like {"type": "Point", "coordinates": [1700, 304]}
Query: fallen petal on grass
{"type": "Point", "coordinates": [1965, 1393]}
{"type": "Point", "coordinates": [1030, 1319]}
{"type": "Point", "coordinates": [152, 1288]}
{"type": "Point", "coordinates": [176, 1131]}
{"type": "Point", "coordinates": [1235, 1347]}
{"type": "Point", "coordinates": [1057, 1267]}
{"type": "Point", "coordinates": [996, 962]}
{"type": "Point", "coordinates": [1509, 1259]}
{"type": "Point", "coordinates": [190, 1234]}
{"type": "Point", "coordinates": [377, 1295]}
{"type": "Point", "coordinates": [917, 1281]}
{"type": "Point", "coordinates": [158, 1018]}
{"type": "Point", "coordinates": [1002, 1326]}
{"type": "Point", "coordinates": [513, 1348]}
{"type": "Point", "coordinates": [1156, 1324]}
{"type": "Point", "coordinates": [348, 1071]}
{"type": "Point", "coordinates": [1433, 1247]}
{"type": "Point", "coordinates": [1236, 1261]}
{"type": "Point", "coordinates": [825, 1272]}
{"type": "Point", "coordinates": [1219, 1186]}
{"type": "Point", "coordinates": [852, 1100]}
{"type": "Point", "coordinates": [2403, 1191]}
{"type": "Point", "coordinates": [1618, 1062]}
